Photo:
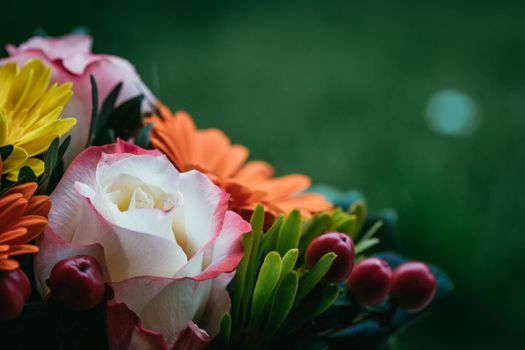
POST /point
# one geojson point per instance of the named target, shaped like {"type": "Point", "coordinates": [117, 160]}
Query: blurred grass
{"type": "Point", "coordinates": [338, 90]}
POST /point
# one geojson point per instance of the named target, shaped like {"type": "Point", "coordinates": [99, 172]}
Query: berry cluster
{"type": "Point", "coordinates": [411, 285]}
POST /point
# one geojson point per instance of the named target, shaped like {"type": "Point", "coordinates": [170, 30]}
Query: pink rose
{"type": "Point", "coordinates": [71, 60]}
{"type": "Point", "coordinates": [165, 241]}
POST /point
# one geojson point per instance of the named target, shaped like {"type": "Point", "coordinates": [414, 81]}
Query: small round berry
{"type": "Point", "coordinates": [413, 286]}
{"type": "Point", "coordinates": [338, 243]}
{"type": "Point", "coordinates": [77, 282]}
{"type": "Point", "coordinates": [15, 288]}
{"type": "Point", "coordinates": [370, 281]}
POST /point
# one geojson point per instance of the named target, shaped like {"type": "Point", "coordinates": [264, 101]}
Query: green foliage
{"type": "Point", "coordinates": [26, 174]}
{"type": "Point", "coordinates": [143, 136]}
{"type": "Point", "coordinates": [5, 151]}
{"type": "Point", "coordinates": [273, 291]}
{"type": "Point", "coordinates": [111, 121]}
{"type": "Point", "coordinates": [315, 275]}
{"type": "Point", "coordinates": [289, 233]}
{"type": "Point", "coordinates": [266, 284]}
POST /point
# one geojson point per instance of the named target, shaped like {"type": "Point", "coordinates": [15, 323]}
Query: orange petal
{"type": "Point", "coordinates": [232, 161]}
{"type": "Point", "coordinates": [39, 205]}
{"type": "Point", "coordinates": [34, 224]}
{"type": "Point", "coordinates": [211, 146]}
{"type": "Point", "coordinates": [13, 234]}
{"type": "Point", "coordinates": [27, 189]}
{"type": "Point", "coordinates": [308, 202]}
{"type": "Point", "coordinates": [283, 187]}
{"type": "Point", "coordinates": [7, 200]}
{"type": "Point", "coordinates": [9, 264]}
{"type": "Point", "coordinates": [254, 172]}
{"type": "Point", "coordinates": [12, 211]}
{"type": "Point", "coordinates": [20, 249]}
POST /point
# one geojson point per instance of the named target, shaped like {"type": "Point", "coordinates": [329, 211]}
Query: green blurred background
{"type": "Point", "coordinates": [420, 105]}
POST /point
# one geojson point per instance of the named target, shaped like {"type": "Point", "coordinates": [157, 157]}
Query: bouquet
{"type": "Point", "coordinates": [124, 226]}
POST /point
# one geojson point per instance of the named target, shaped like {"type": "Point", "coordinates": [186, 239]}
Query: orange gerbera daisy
{"type": "Point", "coordinates": [249, 183]}
{"type": "Point", "coordinates": [22, 218]}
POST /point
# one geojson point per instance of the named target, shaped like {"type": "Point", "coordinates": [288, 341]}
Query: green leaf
{"type": "Point", "coordinates": [315, 226]}
{"type": "Point", "coordinates": [289, 233]}
{"type": "Point", "coordinates": [359, 209]}
{"type": "Point", "coordinates": [365, 244]}
{"type": "Point", "coordinates": [240, 279]}
{"type": "Point", "coordinates": [225, 331]}
{"type": "Point", "coordinates": [94, 110]}
{"type": "Point", "coordinates": [264, 288]}
{"type": "Point", "coordinates": [317, 303]}
{"type": "Point", "coordinates": [144, 135]}
{"type": "Point", "coordinates": [257, 223]}
{"type": "Point", "coordinates": [108, 107]}
{"type": "Point", "coordinates": [51, 159]}
{"type": "Point", "coordinates": [289, 260]}
{"type": "Point", "coordinates": [315, 275]}
{"type": "Point", "coordinates": [26, 174]}
{"type": "Point", "coordinates": [282, 304]}
{"type": "Point", "coordinates": [270, 237]}
{"type": "Point", "coordinates": [367, 241]}
{"type": "Point", "coordinates": [5, 151]}
{"type": "Point", "coordinates": [63, 148]}
{"type": "Point", "coordinates": [127, 117]}
{"type": "Point", "coordinates": [105, 137]}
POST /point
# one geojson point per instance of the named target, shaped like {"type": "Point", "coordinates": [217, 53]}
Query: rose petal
{"type": "Point", "coordinates": [126, 332]}
{"type": "Point", "coordinates": [192, 338]}
{"type": "Point", "coordinates": [204, 208]}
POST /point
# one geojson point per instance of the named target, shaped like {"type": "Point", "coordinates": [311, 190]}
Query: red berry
{"type": "Point", "coordinates": [340, 244]}
{"type": "Point", "coordinates": [370, 281]}
{"type": "Point", "coordinates": [77, 282]}
{"type": "Point", "coordinates": [414, 286]}
{"type": "Point", "coordinates": [15, 288]}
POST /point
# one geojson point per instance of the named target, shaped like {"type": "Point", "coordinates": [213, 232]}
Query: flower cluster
{"type": "Point", "coordinates": [166, 234]}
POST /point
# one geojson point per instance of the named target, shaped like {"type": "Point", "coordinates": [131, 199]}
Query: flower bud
{"type": "Point", "coordinates": [338, 243]}
{"type": "Point", "coordinates": [413, 286]}
{"type": "Point", "coordinates": [370, 281]}
{"type": "Point", "coordinates": [77, 282]}
{"type": "Point", "coordinates": [15, 288]}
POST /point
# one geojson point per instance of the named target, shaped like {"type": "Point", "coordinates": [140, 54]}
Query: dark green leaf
{"type": "Point", "coordinates": [143, 137]}
{"type": "Point", "coordinates": [5, 151]}
{"type": "Point", "coordinates": [225, 333]}
{"type": "Point", "coordinates": [26, 174]}
{"type": "Point", "coordinates": [51, 159]}
{"type": "Point", "coordinates": [282, 304]}
{"type": "Point", "coordinates": [94, 110]}
{"type": "Point", "coordinates": [108, 107]}
{"type": "Point", "coordinates": [105, 137]}
{"type": "Point", "coordinates": [63, 148]}
{"type": "Point", "coordinates": [315, 304]}
{"type": "Point", "coordinates": [127, 117]}
{"type": "Point", "coordinates": [315, 275]}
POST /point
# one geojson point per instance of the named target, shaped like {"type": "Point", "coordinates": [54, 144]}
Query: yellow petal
{"type": "Point", "coordinates": [40, 139]}
{"type": "Point", "coordinates": [15, 160]}
{"type": "Point", "coordinates": [36, 165]}
{"type": "Point", "coordinates": [3, 129]}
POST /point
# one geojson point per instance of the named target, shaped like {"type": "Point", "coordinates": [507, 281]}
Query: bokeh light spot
{"type": "Point", "coordinates": [452, 113]}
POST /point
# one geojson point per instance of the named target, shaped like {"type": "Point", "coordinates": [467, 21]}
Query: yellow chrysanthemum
{"type": "Point", "coordinates": [30, 114]}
